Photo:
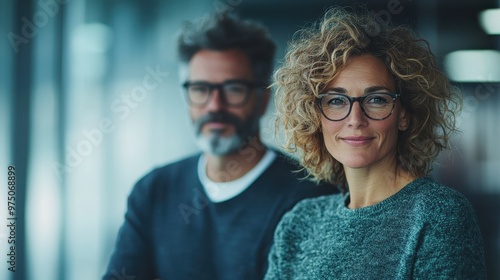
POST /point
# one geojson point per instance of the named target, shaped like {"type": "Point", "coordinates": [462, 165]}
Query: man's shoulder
{"type": "Point", "coordinates": [286, 165]}
{"type": "Point", "coordinates": [287, 176]}
{"type": "Point", "coordinates": [290, 168]}
{"type": "Point", "coordinates": [285, 160]}
{"type": "Point", "coordinates": [188, 161]}
{"type": "Point", "coordinates": [182, 165]}
{"type": "Point", "coordinates": [175, 173]}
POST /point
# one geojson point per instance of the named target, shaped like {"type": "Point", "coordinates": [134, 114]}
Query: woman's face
{"type": "Point", "coordinates": [358, 141]}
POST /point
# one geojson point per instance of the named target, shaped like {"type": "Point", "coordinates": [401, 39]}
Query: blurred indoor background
{"type": "Point", "coordinates": [81, 126]}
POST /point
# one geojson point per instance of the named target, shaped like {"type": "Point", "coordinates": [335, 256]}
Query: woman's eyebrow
{"type": "Point", "coordinates": [366, 91]}
{"type": "Point", "coordinates": [338, 89]}
{"type": "Point", "coordinates": [376, 88]}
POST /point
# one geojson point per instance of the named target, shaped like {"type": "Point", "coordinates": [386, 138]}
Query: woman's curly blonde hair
{"type": "Point", "coordinates": [315, 58]}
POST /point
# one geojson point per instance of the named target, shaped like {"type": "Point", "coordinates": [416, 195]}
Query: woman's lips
{"type": "Point", "coordinates": [357, 140]}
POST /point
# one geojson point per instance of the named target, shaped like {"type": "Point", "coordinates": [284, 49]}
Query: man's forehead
{"type": "Point", "coordinates": [218, 66]}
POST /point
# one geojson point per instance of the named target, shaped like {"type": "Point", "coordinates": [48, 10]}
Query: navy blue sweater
{"type": "Point", "coordinates": [173, 231]}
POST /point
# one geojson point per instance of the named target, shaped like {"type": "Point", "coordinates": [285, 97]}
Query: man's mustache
{"type": "Point", "coordinates": [219, 116]}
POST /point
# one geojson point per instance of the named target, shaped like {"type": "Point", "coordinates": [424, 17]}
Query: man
{"type": "Point", "coordinates": [212, 216]}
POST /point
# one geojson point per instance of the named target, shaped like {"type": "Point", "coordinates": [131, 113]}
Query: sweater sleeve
{"type": "Point", "coordinates": [132, 256]}
{"type": "Point", "coordinates": [452, 246]}
{"type": "Point", "coordinates": [272, 270]}
{"type": "Point", "coordinates": [287, 239]}
{"type": "Point", "coordinates": [275, 259]}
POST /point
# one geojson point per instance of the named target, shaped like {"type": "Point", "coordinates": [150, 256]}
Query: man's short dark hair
{"type": "Point", "coordinates": [224, 31]}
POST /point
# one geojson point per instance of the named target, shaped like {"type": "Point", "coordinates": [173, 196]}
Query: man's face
{"type": "Point", "coordinates": [221, 128]}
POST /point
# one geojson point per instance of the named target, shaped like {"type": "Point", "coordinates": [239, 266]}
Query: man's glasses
{"type": "Point", "coordinates": [233, 93]}
{"type": "Point", "coordinates": [376, 106]}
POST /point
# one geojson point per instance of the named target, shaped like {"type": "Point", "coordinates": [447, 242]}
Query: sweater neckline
{"type": "Point", "coordinates": [344, 211]}
{"type": "Point", "coordinates": [219, 192]}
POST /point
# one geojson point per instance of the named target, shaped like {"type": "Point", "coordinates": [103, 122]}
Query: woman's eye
{"type": "Point", "coordinates": [337, 101]}
{"type": "Point", "coordinates": [378, 99]}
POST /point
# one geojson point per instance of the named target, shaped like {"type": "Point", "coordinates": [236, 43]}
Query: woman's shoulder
{"type": "Point", "coordinates": [312, 209]}
{"type": "Point", "coordinates": [431, 191]}
{"type": "Point", "coordinates": [317, 205]}
{"type": "Point", "coordinates": [438, 200]}
{"type": "Point", "coordinates": [304, 217]}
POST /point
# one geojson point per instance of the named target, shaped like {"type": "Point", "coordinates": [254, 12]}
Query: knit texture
{"type": "Point", "coordinates": [425, 231]}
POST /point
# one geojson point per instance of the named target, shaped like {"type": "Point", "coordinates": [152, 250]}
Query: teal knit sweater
{"type": "Point", "coordinates": [425, 231]}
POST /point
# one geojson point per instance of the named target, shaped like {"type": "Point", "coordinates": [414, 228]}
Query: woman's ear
{"type": "Point", "coordinates": [403, 120]}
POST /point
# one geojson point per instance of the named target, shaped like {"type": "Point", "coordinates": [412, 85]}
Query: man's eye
{"type": "Point", "coordinates": [235, 88]}
{"type": "Point", "coordinates": [198, 88]}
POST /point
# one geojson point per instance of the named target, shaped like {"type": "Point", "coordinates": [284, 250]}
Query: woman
{"type": "Point", "coordinates": [366, 107]}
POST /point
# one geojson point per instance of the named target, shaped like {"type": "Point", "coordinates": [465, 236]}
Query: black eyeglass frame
{"type": "Point", "coordinates": [360, 99]}
{"type": "Point", "coordinates": [220, 86]}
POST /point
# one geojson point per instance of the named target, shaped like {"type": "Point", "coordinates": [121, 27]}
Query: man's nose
{"type": "Point", "coordinates": [215, 100]}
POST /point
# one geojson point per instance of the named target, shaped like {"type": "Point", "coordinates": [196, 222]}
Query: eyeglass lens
{"type": "Point", "coordinates": [234, 93]}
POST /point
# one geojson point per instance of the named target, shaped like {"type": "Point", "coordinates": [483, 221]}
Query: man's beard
{"type": "Point", "coordinates": [216, 144]}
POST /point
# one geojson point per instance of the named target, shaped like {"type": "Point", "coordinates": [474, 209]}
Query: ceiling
{"type": "Point", "coordinates": [448, 25]}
